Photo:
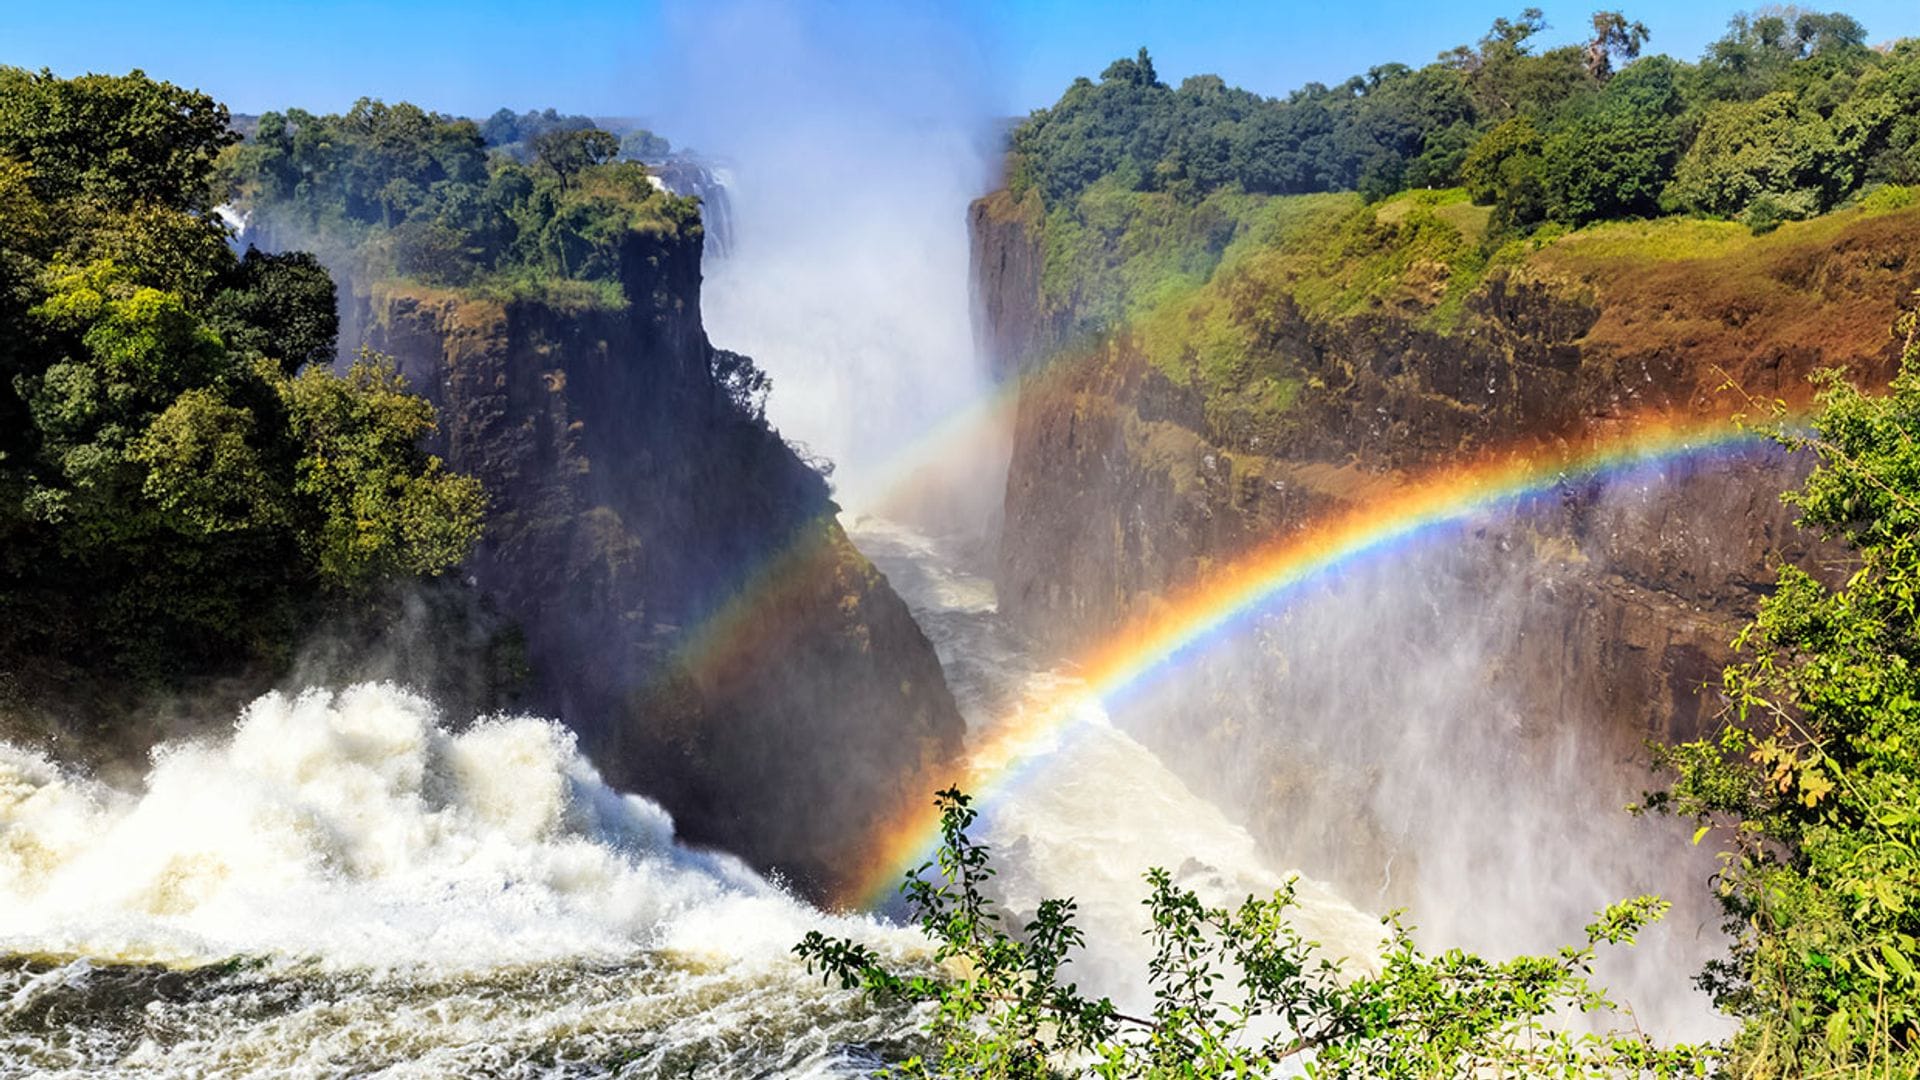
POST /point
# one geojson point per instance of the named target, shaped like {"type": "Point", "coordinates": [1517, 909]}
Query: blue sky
{"type": "Point", "coordinates": [629, 57]}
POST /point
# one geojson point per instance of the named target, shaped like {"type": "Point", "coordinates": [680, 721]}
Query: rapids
{"type": "Point", "coordinates": [345, 886]}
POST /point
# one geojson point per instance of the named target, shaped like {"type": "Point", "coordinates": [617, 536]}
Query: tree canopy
{"type": "Point", "coordinates": [394, 190]}
{"type": "Point", "coordinates": [183, 481]}
{"type": "Point", "coordinates": [1786, 116]}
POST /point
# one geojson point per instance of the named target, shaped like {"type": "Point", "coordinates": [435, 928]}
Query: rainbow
{"type": "Point", "coordinates": [1386, 513]}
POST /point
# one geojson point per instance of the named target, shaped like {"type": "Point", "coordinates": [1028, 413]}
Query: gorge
{"type": "Point", "coordinates": [461, 617]}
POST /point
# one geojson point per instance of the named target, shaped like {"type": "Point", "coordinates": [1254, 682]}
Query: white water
{"type": "Point", "coordinates": [344, 885]}
{"type": "Point", "coordinates": [1500, 842]}
{"type": "Point", "coordinates": [1093, 808]}
{"type": "Point", "coordinates": [851, 292]}
{"type": "Point", "coordinates": [856, 136]}
{"type": "Point", "coordinates": [398, 897]}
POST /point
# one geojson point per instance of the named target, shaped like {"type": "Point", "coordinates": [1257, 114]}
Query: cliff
{"type": "Point", "coordinates": [689, 604]}
{"type": "Point", "coordinates": [1337, 349]}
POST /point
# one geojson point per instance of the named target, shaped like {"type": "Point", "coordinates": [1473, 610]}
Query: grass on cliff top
{"type": "Point", "coordinates": [1205, 291]}
{"type": "Point", "coordinates": [567, 296]}
{"type": "Point", "coordinates": [1420, 252]}
{"type": "Point", "coordinates": [1330, 255]}
{"type": "Point", "coordinates": [1679, 238]}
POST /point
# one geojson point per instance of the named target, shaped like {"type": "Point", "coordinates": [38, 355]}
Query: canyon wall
{"type": "Point", "coordinates": [689, 604]}
{"type": "Point", "coordinates": [1611, 602]}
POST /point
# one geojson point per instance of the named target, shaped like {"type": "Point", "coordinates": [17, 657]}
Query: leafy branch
{"type": "Point", "coordinates": [1237, 992]}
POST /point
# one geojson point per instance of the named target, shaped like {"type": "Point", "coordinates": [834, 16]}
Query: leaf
{"type": "Point", "coordinates": [1839, 1032]}
{"type": "Point", "coordinates": [1897, 960]}
{"type": "Point", "coordinates": [1700, 834]}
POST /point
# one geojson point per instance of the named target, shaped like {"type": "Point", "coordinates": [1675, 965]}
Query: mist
{"type": "Point", "coordinates": [1375, 733]}
{"type": "Point", "coordinates": [1431, 731]}
{"type": "Point", "coordinates": [851, 143]}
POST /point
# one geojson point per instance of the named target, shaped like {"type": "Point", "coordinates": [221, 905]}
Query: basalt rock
{"type": "Point", "coordinates": [1599, 616]}
{"type": "Point", "coordinates": [689, 604]}
{"type": "Point", "coordinates": [1125, 484]}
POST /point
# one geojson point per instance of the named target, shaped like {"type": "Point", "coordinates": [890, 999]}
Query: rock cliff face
{"type": "Point", "coordinates": [1009, 319]}
{"type": "Point", "coordinates": [1598, 617]}
{"type": "Point", "coordinates": [1125, 483]}
{"type": "Point", "coordinates": [689, 604]}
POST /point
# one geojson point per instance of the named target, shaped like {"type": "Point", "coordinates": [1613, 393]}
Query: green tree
{"type": "Point", "coordinates": [379, 506]}
{"type": "Point", "coordinates": [1760, 50]}
{"type": "Point", "coordinates": [1507, 77]}
{"type": "Point", "coordinates": [1614, 38]}
{"type": "Point", "coordinates": [393, 190]}
{"type": "Point", "coordinates": [643, 145]}
{"type": "Point", "coordinates": [1614, 157]}
{"type": "Point", "coordinates": [120, 139]}
{"type": "Point", "coordinates": [567, 153]}
{"type": "Point", "coordinates": [283, 306]}
{"type": "Point", "coordinates": [183, 483]}
{"type": "Point", "coordinates": [1767, 148]}
{"type": "Point", "coordinates": [1813, 781]}
{"type": "Point", "coordinates": [1506, 168]}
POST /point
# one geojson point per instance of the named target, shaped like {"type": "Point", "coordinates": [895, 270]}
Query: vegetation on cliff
{"type": "Point", "coordinates": [530, 206]}
{"type": "Point", "coordinates": [1218, 235]}
{"type": "Point", "coordinates": [182, 487]}
{"type": "Point", "coordinates": [1814, 780]}
{"type": "Point", "coordinates": [1237, 992]}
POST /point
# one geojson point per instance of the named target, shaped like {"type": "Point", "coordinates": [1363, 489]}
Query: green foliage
{"type": "Point", "coordinates": [643, 145]}
{"type": "Point", "coordinates": [117, 139]}
{"type": "Point", "coordinates": [1767, 148]}
{"type": "Point", "coordinates": [384, 507]}
{"type": "Point", "coordinates": [174, 499]}
{"type": "Point", "coordinates": [1789, 107]}
{"type": "Point", "coordinates": [1813, 781]}
{"type": "Point", "coordinates": [1115, 253]}
{"type": "Point", "coordinates": [515, 135]}
{"type": "Point", "coordinates": [279, 305]}
{"type": "Point", "coordinates": [1237, 992]}
{"type": "Point", "coordinates": [566, 153]}
{"type": "Point", "coordinates": [1614, 38]}
{"type": "Point", "coordinates": [1761, 50]}
{"type": "Point", "coordinates": [1611, 158]}
{"type": "Point", "coordinates": [394, 191]}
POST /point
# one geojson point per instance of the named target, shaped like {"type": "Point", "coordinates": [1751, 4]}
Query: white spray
{"type": "Point", "coordinates": [855, 140]}
{"type": "Point", "coordinates": [399, 893]}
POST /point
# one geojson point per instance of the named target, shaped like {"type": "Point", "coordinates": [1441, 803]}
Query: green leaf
{"type": "Point", "coordinates": [1897, 960]}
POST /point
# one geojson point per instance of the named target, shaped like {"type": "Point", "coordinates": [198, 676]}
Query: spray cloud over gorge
{"type": "Point", "coordinates": [853, 139]}
{"type": "Point", "coordinates": [1365, 732]}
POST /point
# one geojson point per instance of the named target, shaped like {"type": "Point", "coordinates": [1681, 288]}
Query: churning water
{"type": "Point", "coordinates": [344, 886]}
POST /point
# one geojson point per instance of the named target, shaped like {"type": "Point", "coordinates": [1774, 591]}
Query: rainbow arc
{"type": "Point", "coordinates": [1379, 521]}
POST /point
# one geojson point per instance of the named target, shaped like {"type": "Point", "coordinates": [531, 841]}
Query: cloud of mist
{"type": "Point", "coordinates": [1441, 730]}
{"type": "Point", "coordinates": [852, 138]}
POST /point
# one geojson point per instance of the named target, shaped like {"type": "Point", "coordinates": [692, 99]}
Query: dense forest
{"type": "Point", "coordinates": [185, 484]}
{"type": "Point", "coordinates": [1789, 115]}
{"type": "Point", "coordinates": [518, 206]}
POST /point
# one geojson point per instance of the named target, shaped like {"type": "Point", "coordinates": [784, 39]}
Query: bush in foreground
{"type": "Point", "coordinates": [1237, 992]}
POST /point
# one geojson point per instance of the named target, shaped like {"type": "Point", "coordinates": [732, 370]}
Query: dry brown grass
{"type": "Point", "coordinates": [1696, 299]}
